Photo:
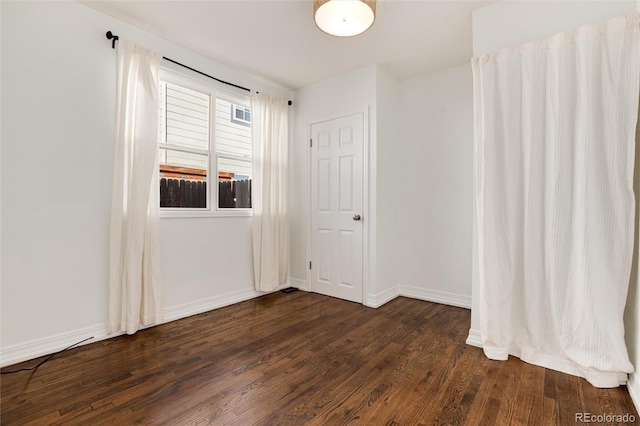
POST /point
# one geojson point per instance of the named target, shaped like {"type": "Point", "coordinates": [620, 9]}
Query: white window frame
{"type": "Point", "coordinates": [214, 90]}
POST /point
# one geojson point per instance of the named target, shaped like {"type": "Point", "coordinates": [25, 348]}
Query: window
{"type": "Point", "coordinates": [240, 115]}
{"type": "Point", "coordinates": [205, 149]}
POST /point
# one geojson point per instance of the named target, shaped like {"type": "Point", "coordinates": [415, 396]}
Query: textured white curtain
{"type": "Point", "coordinates": [269, 189]}
{"type": "Point", "coordinates": [134, 276]}
{"type": "Point", "coordinates": [554, 147]}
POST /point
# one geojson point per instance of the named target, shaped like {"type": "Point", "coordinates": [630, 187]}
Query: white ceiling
{"type": "Point", "coordinates": [279, 41]}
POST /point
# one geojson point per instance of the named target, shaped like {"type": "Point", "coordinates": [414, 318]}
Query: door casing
{"type": "Point", "coordinates": [369, 220]}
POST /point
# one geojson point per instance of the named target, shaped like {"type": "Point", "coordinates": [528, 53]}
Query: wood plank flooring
{"type": "Point", "coordinates": [300, 359]}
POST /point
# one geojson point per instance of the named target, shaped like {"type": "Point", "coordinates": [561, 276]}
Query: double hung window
{"type": "Point", "coordinates": [205, 149]}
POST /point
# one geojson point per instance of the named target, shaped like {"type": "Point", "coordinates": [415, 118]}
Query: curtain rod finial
{"type": "Point", "coordinates": [113, 39]}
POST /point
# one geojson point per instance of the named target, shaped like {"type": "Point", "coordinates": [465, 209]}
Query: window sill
{"type": "Point", "coordinates": [192, 213]}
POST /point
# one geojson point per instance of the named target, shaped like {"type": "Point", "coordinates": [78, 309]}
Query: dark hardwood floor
{"type": "Point", "coordinates": [298, 359]}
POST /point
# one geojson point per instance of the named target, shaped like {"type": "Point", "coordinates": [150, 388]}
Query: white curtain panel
{"type": "Point", "coordinates": [554, 157]}
{"type": "Point", "coordinates": [135, 287]}
{"type": "Point", "coordinates": [269, 190]}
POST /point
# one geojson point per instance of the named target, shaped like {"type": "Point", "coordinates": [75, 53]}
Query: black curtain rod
{"type": "Point", "coordinates": [115, 38]}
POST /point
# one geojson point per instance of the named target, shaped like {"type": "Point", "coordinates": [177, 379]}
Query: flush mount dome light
{"type": "Point", "coordinates": [344, 18]}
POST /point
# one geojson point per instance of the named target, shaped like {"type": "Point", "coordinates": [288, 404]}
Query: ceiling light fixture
{"type": "Point", "coordinates": [344, 18]}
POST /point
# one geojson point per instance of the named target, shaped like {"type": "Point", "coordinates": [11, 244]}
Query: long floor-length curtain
{"type": "Point", "coordinates": [554, 157]}
{"type": "Point", "coordinates": [269, 191]}
{"type": "Point", "coordinates": [135, 296]}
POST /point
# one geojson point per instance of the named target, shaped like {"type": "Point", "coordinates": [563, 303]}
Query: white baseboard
{"type": "Point", "coordinates": [48, 345]}
{"type": "Point", "coordinates": [443, 297]}
{"type": "Point", "coordinates": [377, 300]}
{"type": "Point", "coordinates": [633, 386]}
{"type": "Point", "coordinates": [446, 298]}
{"type": "Point", "coordinates": [298, 283]}
{"type": "Point", "coordinates": [203, 305]}
{"type": "Point", "coordinates": [474, 338]}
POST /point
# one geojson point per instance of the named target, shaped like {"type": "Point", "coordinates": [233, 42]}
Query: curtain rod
{"type": "Point", "coordinates": [115, 38]}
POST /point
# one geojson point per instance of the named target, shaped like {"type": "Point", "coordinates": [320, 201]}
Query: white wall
{"type": "Point", "coordinates": [385, 171]}
{"type": "Point", "coordinates": [507, 24]}
{"type": "Point", "coordinates": [435, 186]}
{"type": "Point", "coordinates": [58, 107]}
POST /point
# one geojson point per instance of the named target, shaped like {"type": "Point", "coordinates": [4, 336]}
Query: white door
{"type": "Point", "coordinates": [336, 207]}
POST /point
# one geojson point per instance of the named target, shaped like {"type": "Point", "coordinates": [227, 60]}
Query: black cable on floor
{"type": "Point", "coordinates": [47, 358]}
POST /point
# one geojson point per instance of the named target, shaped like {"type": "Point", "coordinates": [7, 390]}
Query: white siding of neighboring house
{"type": "Point", "coordinates": [186, 117]}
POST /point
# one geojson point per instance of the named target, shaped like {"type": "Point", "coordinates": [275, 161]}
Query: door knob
{"type": "Point", "coordinates": [357, 217]}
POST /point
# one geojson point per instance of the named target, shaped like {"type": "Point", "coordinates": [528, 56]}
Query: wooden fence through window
{"type": "Point", "coordinates": [193, 194]}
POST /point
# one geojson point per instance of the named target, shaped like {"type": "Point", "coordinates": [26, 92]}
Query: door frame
{"type": "Point", "coordinates": [368, 219]}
